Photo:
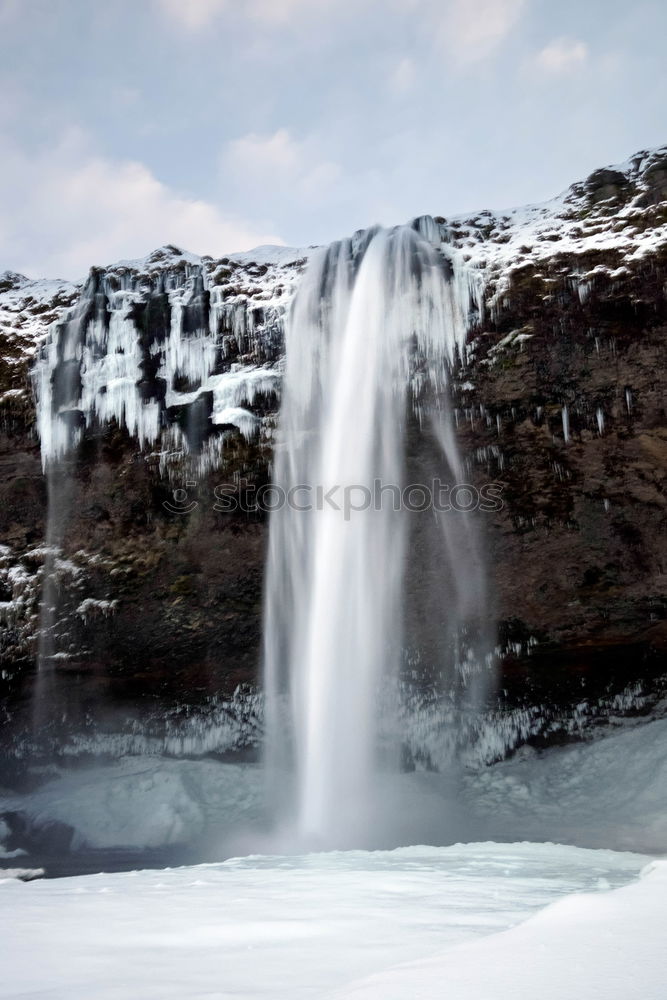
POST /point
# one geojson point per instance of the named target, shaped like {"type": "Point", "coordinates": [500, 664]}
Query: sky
{"type": "Point", "coordinates": [219, 125]}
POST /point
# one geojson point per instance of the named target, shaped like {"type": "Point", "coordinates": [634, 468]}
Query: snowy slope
{"type": "Point", "coordinates": [618, 213]}
{"type": "Point", "coordinates": [610, 791]}
{"type": "Point", "coordinates": [290, 928]}
{"type": "Point", "coordinates": [27, 309]}
{"type": "Point", "coordinates": [597, 947]}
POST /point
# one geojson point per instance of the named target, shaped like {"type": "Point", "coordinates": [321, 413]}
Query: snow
{"type": "Point", "coordinates": [610, 792]}
{"type": "Point", "coordinates": [269, 254]}
{"type": "Point", "coordinates": [333, 925]}
{"type": "Point", "coordinates": [91, 607]}
{"type": "Point", "coordinates": [22, 874]}
{"type": "Point", "coordinates": [501, 241]}
{"type": "Point", "coordinates": [36, 297]}
{"type": "Point", "coordinates": [27, 308]}
{"type": "Point", "coordinates": [158, 258]}
{"type": "Point", "coordinates": [608, 946]}
{"type": "Point", "coordinates": [277, 255]}
{"type": "Point", "coordinates": [318, 926]}
{"type": "Point", "coordinates": [244, 420]}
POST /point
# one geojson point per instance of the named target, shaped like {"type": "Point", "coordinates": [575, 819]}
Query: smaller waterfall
{"type": "Point", "coordinates": [375, 325]}
{"type": "Point", "coordinates": [58, 384]}
{"type": "Point", "coordinates": [178, 353]}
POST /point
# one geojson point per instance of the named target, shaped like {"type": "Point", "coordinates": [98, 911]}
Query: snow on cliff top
{"type": "Point", "coordinates": [171, 256]}
{"type": "Point", "coordinates": [618, 209]}
{"type": "Point", "coordinates": [27, 308]}
{"type": "Point", "coordinates": [273, 255]}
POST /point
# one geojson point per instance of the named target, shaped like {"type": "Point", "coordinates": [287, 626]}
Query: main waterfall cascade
{"type": "Point", "coordinates": [376, 323]}
{"type": "Point", "coordinates": [375, 651]}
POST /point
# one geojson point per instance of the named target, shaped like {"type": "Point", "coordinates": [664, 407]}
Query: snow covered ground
{"type": "Point", "coordinates": [607, 946]}
{"type": "Point", "coordinates": [479, 921]}
{"type": "Point", "coordinates": [321, 925]}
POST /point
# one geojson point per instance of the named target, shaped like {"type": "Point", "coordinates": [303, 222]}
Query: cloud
{"type": "Point", "coordinates": [282, 163]}
{"type": "Point", "coordinates": [403, 76]}
{"type": "Point", "coordinates": [472, 29]}
{"type": "Point", "coordinates": [71, 208]}
{"type": "Point", "coordinates": [562, 55]}
{"type": "Point", "coordinates": [284, 10]}
{"type": "Point", "coordinates": [194, 15]}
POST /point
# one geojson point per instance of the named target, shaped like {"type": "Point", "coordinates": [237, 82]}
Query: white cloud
{"type": "Point", "coordinates": [192, 14]}
{"type": "Point", "coordinates": [562, 55]}
{"type": "Point", "coordinates": [265, 153]}
{"type": "Point", "coordinates": [71, 208]}
{"type": "Point", "coordinates": [283, 10]}
{"type": "Point", "coordinates": [280, 162]}
{"type": "Point", "coordinates": [403, 76]}
{"type": "Point", "coordinates": [197, 14]}
{"type": "Point", "coordinates": [472, 29]}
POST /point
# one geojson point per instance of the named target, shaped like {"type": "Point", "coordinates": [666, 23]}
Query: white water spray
{"type": "Point", "coordinates": [375, 325]}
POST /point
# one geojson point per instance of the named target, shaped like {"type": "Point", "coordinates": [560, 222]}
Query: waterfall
{"type": "Point", "coordinates": [375, 325]}
{"type": "Point", "coordinates": [58, 383]}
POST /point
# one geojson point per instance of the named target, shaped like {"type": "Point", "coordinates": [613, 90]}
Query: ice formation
{"type": "Point", "coordinates": [168, 348]}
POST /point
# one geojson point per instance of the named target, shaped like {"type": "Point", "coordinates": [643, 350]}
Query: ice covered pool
{"type": "Point", "coordinates": [278, 927]}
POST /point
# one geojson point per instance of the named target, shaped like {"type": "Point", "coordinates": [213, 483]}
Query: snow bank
{"type": "Point", "coordinates": [608, 946]}
{"type": "Point", "coordinates": [141, 802]}
{"type": "Point", "coordinates": [21, 874]}
{"type": "Point", "coordinates": [610, 792]}
{"type": "Point", "coordinates": [141, 807]}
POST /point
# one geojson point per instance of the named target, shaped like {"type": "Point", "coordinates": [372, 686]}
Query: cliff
{"type": "Point", "coordinates": [158, 384]}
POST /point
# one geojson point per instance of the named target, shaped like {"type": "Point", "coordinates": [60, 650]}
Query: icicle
{"type": "Point", "coordinates": [105, 363]}
{"type": "Point", "coordinates": [600, 420]}
{"type": "Point", "coordinates": [566, 424]}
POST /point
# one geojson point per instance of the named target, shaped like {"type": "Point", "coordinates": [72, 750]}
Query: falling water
{"type": "Point", "coordinates": [374, 326]}
{"type": "Point", "coordinates": [58, 386]}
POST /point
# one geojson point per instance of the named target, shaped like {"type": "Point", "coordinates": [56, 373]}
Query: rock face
{"type": "Point", "coordinates": [159, 384]}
